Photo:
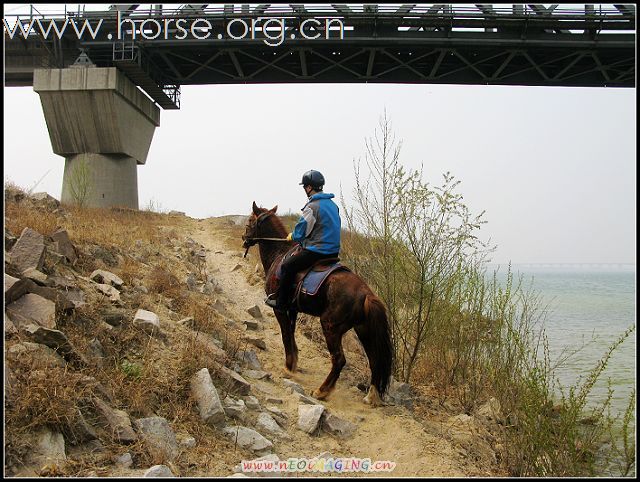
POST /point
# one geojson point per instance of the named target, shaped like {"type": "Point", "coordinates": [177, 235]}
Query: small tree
{"type": "Point", "coordinates": [415, 239]}
{"type": "Point", "coordinates": [80, 182]}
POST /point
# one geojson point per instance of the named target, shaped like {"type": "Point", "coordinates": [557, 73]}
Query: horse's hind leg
{"type": "Point", "coordinates": [373, 396]}
{"type": "Point", "coordinates": [333, 336]}
{"type": "Point", "coordinates": [288, 340]}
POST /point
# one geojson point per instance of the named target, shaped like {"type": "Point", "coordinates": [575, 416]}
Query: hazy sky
{"type": "Point", "coordinates": [554, 168]}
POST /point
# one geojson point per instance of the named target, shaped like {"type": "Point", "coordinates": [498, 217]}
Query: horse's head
{"type": "Point", "coordinates": [254, 223]}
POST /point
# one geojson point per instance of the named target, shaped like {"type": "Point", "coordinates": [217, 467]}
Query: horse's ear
{"type": "Point", "coordinates": [274, 209]}
{"type": "Point", "coordinates": [256, 209]}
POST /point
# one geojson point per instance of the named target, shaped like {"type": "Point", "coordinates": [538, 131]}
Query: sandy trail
{"type": "Point", "coordinates": [386, 433]}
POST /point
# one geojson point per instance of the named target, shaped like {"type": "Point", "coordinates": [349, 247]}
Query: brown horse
{"type": "Point", "coordinates": [343, 302]}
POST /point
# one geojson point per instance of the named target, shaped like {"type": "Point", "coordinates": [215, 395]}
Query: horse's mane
{"type": "Point", "coordinates": [277, 223]}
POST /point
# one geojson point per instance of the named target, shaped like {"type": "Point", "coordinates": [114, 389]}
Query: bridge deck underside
{"type": "Point", "coordinates": [468, 63]}
{"type": "Point", "coordinates": [591, 49]}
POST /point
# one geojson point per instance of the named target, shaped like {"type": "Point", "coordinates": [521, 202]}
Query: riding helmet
{"type": "Point", "coordinates": [312, 178]}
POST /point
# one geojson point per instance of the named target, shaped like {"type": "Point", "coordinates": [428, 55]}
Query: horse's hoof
{"type": "Point", "coordinates": [318, 395]}
{"type": "Point", "coordinates": [373, 397]}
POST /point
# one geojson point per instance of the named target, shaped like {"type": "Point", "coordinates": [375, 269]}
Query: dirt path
{"type": "Point", "coordinates": [387, 433]}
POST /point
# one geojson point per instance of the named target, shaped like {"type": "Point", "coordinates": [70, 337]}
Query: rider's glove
{"type": "Point", "coordinates": [290, 237]}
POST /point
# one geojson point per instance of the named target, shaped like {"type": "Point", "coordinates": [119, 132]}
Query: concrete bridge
{"type": "Point", "coordinates": [90, 67]}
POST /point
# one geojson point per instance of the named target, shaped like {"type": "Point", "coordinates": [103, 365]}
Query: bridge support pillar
{"type": "Point", "coordinates": [102, 124]}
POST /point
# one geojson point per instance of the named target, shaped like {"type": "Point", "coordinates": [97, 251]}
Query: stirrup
{"type": "Point", "coordinates": [272, 301]}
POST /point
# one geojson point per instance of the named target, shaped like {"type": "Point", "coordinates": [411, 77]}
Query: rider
{"type": "Point", "coordinates": [318, 231]}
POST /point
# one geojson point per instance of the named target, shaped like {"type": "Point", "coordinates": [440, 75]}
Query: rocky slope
{"type": "Point", "coordinates": [138, 344]}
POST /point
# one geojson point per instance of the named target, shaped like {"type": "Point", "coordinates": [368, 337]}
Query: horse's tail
{"type": "Point", "coordinates": [375, 335]}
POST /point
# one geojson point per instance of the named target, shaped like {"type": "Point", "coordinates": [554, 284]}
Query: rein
{"type": "Point", "coordinates": [261, 218]}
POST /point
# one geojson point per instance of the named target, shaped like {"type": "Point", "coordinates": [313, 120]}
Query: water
{"type": "Point", "coordinates": [589, 308]}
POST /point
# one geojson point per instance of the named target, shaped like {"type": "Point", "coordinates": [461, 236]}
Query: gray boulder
{"type": "Point", "coordinates": [337, 426]}
{"type": "Point", "coordinates": [206, 395]}
{"type": "Point", "coordinates": [32, 308]}
{"type": "Point", "coordinates": [248, 439]}
{"type": "Point", "coordinates": [158, 436]}
{"type": "Point", "coordinates": [249, 358]}
{"type": "Point", "coordinates": [28, 252]}
{"type": "Point", "coordinates": [159, 471]}
{"type": "Point", "coordinates": [309, 417]}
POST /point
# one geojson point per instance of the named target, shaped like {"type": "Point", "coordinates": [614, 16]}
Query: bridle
{"type": "Point", "coordinates": [259, 220]}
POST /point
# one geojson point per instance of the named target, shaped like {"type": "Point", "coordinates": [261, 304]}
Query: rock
{"type": "Point", "coordinates": [234, 408]}
{"type": "Point", "coordinates": [252, 402]}
{"type": "Point", "coordinates": [9, 239]}
{"type": "Point", "coordinates": [55, 340]}
{"type": "Point", "coordinates": [188, 322]}
{"type": "Point", "coordinates": [239, 384]}
{"type": "Point", "coordinates": [79, 431]}
{"type": "Point", "coordinates": [117, 420]}
{"type": "Point", "coordinates": [64, 246]}
{"type": "Point", "coordinates": [14, 288]}
{"type": "Point", "coordinates": [337, 426]}
{"type": "Point", "coordinates": [48, 448]}
{"type": "Point", "coordinates": [147, 320]}
{"type": "Point", "coordinates": [32, 308]}
{"type": "Point", "coordinates": [159, 471]}
{"type": "Point", "coordinates": [191, 282]}
{"type": "Point", "coordinates": [257, 374]}
{"type": "Point", "coordinates": [251, 325]}
{"type": "Point", "coordinates": [257, 342]}
{"type": "Point", "coordinates": [307, 399]}
{"type": "Point", "coordinates": [35, 355]}
{"type": "Point", "coordinates": [463, 420]}
{"type": "Point", "coordinates": [309, 417]}
{"type": "Point", "coordinates": [124, 460]}
{"type": "Point", "coordinates": [236, 267]}
{"type": "Point", "coordinates": [28, 252]}
{"type": "Point", "coordinates": [278, 415]}
{"type": "Point", "coordinates": [46, 200]}
{"type": "Point", "coordinates": [9, 326]}
{"type": "Point", "coordinates": [158, 436]}
{"type": "Point", "coordinates": [113, 317]}
{"type": "Point", "coordinates": [293, 385]}
{"type": "Point", "coordinates": [248, 439]}
{"type": "Point", "coordinates": [110, 291]}
{"type": "Point", "coordinates": [106, 277]}
{"type": "Point", "coordinates": [267, 424]}
{"type": "Point", "coordinates": [490, 410]}
{"type": "Point", "coordinates": [104, 255]}
{"type": "Point", "coordinates": [187, 442]}
{"type": "Point", "coordinates": [206, 395]}
{"type": "Point", "coordinates": [249, 358]}
{"type": "Point", "coordinates": [76, 298]}
{"type": "Point", "coordinates": [35, 275]}
{"type": "Point", "coordinates": [176, 213]}
{"type": "Point", "coordinates": [209, 343]}
{"type": "Point", "coordinates": [255, 311]}
{"type": "Point", "coordinates": [279, 401]}
{"type": "Point", "coordinates": [399, 393]}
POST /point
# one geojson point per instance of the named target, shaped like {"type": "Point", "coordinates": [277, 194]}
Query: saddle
{"type": "Point", "coordinates": [310, 280]}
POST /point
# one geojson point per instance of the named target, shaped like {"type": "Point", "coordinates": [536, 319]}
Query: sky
{"type": "Point", "coordinates": [554, 167]}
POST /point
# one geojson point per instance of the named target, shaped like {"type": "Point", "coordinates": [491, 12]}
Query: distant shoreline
{"type": "Point", "coordinates": [626, 267]}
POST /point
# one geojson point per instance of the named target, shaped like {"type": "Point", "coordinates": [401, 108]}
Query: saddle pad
{"type": "Point", "coordinates": [314, 279]}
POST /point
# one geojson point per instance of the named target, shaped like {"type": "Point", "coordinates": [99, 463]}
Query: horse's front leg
{"type": "Point", "coordinates": [290, 348]}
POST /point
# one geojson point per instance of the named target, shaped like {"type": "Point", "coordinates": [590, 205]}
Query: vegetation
{"type": "Point", "coordinates": [461, 329]}
{"type": "Point", "coordinates": [80, 181]}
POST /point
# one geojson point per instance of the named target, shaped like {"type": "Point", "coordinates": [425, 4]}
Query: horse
{"type": "Point", "coordinates": [343, 302]}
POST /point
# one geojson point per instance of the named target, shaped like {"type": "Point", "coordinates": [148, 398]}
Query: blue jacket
{"type": "Point", "coordinates": [318, 229]}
